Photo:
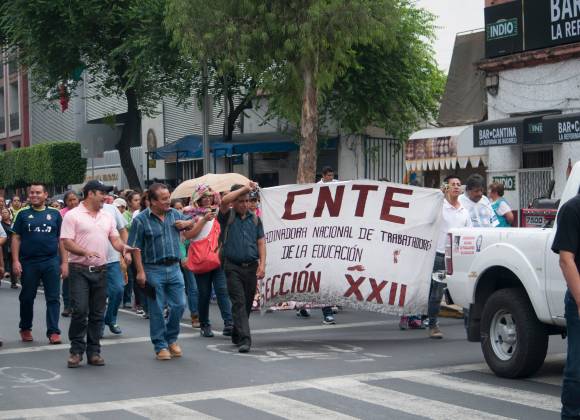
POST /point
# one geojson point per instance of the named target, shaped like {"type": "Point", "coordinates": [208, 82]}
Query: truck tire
{"type": "Point", "coordinates": [513, 341]}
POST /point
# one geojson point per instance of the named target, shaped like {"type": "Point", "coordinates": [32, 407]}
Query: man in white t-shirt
{"type": "Point", "coordinates": [478, 205]}
{"type": "Point", "coordinates": [453, 215]}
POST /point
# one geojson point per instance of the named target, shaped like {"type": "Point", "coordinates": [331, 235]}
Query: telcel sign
{"type": "Point", "coordinates": [503, 28]}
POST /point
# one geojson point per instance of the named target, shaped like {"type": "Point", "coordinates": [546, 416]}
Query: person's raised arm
{"type": "Point", "coordinates": [229, 198]}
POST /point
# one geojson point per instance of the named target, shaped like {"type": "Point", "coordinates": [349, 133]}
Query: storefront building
{"type": "Point", "coordinates": [532, 69]}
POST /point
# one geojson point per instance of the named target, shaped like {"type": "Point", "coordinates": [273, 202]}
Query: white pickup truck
{"type": "Point", "coordinates": [512, 290]}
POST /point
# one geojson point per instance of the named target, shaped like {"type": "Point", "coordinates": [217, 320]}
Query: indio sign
{"type": "Point", "coordinates": [508, 181]}
{"type": "Point", "coordinates": [503, 28]}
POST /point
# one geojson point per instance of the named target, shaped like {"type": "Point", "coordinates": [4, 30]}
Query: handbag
{"type": "Point", "coordinates": [203, 255]}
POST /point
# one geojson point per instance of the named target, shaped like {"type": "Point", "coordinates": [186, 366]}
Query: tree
{"type": "Point", "coordinates": [295, 49]}
{"type": "Point", "coordinates": [122, 43]}
{"type": "Point", "coordinates": [394, 86]}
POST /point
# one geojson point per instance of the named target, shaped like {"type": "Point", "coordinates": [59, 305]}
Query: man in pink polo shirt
{"type": "Point", "coordinates": [86, 232]}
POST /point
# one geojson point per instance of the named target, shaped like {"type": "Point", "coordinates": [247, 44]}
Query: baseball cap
{"type": "Point", "coordinates": [96, 185]}
{"type": "Point", "coordinates": [119, 202]}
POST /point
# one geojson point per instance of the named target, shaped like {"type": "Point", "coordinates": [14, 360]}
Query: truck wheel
{"type": "Point", "coordinates": [513, 341]}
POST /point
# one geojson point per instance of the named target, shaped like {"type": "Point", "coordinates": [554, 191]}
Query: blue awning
{"type": "Point", "coordinates": [191, 146]}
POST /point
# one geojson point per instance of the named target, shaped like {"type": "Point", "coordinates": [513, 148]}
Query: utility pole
{"type": "Point", "coordinates": [205, 125]}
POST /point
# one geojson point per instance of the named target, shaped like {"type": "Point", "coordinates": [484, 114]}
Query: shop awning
{"type": "Point", "coordinates": [442, 148]}
{"type": "Point", "coordinates": [509, 132]}
{"type": "Point", "coordinates": [191, 146]}
{"type": "Point", "coordinates": [561, 128]}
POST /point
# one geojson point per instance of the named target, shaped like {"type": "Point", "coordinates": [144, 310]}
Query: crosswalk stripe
{"type": "Point", "coordinates": [169, 411]}
{"type": "Point", "coordinates": [407, 403]}
{"type": "Point", "coordinates": [63, 417]}
{"type": "Point", "coordinates": [287, 408]}
{"type": "Point", "coordinates": [550, 380]}
{"type": "Point", "coordinates": [512, 395]}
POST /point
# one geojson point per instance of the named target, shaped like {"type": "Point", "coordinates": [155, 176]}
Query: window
{"type": "Point", "coordinates": [14, 106]}
{"type": "Point", "coordinates": [539, 159]}
{"type": "Point", "coordinates": [2, 113]}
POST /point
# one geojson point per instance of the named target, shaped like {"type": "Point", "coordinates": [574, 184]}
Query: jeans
{"type": "Point", "coordinates": [65, 293]}
{"type": "Point", "coordinates": [88, 299]}
{"type": "Point", "coordinates": [327, 311]}
{"type": "Point", "coordinates": [436, 292]}
{"type": "Point", "coordinates": [168, 283]}
{"type": "Point", "coordinates": [571, 384]}
{"type": "Point", "coordinates": [242, 284]}
{"type": "Point", "coordinates": [33, 272]}
{"type": "Point", "coordinates": [115, 290]}
{"type": "Point", "coordinates": [128, 289]}
{"type": "Point", "coordinates": [217, 278]}
{"type": "Point", "coordinates": [190, 290]}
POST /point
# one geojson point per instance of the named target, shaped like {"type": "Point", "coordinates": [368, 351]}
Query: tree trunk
{"type": "Point", "coordinates": [308, 130]}
{"type": "Point", "coordinates": [131, 130]}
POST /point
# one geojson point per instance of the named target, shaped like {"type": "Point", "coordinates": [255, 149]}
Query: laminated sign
{"type": "Point", "coordinates": [364, 244]}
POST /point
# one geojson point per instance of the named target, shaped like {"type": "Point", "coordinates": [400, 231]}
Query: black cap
{"type": "Point", "coordinates": [96, 185]}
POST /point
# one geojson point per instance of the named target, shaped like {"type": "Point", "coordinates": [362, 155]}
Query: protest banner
{"type": "Point", "coordinates": [363, 244]}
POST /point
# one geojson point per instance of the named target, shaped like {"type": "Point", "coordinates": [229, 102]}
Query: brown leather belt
{"type": "Point", "coordinates": [89, 268]}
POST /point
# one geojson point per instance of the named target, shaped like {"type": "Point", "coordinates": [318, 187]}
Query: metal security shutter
{"type": "Point", "coordinates": [183, 120]}
{"type": "Point", "coordinates": [50, 124]}
{"type": "Point", "coordinates": [99, 106]}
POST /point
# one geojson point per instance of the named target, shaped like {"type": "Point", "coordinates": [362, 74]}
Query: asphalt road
{"type": "Point", "coordinates": [363, 367]}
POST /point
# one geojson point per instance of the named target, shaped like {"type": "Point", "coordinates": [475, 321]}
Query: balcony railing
{"type": "Point", "coordinates": [14, 121]}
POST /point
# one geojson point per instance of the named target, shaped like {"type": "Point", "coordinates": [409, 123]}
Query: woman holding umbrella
{"type": "Point", "coordinates": [204, 206]}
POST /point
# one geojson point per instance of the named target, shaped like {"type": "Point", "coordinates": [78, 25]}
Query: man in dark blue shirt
{"type": "Point", "coordinates": [155, 231]}
{"type": "Point", "coordinates": [244, 253]}
{"type": "Point", "coordinates": [35, 257]}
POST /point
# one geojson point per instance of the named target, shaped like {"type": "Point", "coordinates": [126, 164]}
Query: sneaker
{"type": "Point", "coordinates": [195, 321]}
{"type": "Point", "coordinates": [54, 339]}
{"type": "Point", "coordinates": [228, 330]}
{"type": "Point", "coordinates": [303, 313]}
{"type": "Point", "coordinates": [175, 350]}
{"type": "Point", "coordinates": [163, 354]}
{"type": "Point", "coordinates": [139, 311]}
{"type": "Point", "coordinates": [14, 286]}
{"type": "Point", "coordinates": [66, 312]}
{"type": "Point", "coordinates": [328, 320]}
{"type": "Point", "coordinates": [145, 315]}
{"type": "Point", "coordinates": [435, 333]}
{"type": "Point", "coordinates": [403, 323]}
{"type": "Point", "coordinates": [115, 329]}
{"type": "Point", "coordinates": [244, 348]}
{"type": "Point", "coordinates": [26, 335]}
{"type": "Point", "coordinates": [416, 324]}
{"type": "Point", "coordinates": [206, 331]}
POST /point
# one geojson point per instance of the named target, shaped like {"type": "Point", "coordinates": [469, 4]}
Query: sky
{"type": "Point", "coordinates": [453, 16]}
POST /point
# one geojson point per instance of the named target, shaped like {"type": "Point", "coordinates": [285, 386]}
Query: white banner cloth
{"type": "Point", "coordinates": [364, 244]}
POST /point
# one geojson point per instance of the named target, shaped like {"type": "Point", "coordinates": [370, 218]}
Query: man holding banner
{"type": "Point", "coordinates": [364, 244]}
{"type": "Point", "coordinates": [244, 258]}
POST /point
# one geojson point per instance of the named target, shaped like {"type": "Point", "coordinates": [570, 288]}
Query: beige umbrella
{"type": "Point", "coordinates": [217, 182]}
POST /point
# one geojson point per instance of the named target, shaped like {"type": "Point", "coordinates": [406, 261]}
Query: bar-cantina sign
{"type": "Point", "coordinates": [497, 136]}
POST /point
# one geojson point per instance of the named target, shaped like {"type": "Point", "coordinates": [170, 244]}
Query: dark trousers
{"type": "Point", "coordinates": [242, 282]}
{"type": "Point", "coordinates": [571, 384]}
{"type": "Point", "coordinates": [205, 281]}
{"type": "Point", "coordinates": [33, 272]}
{"type": "Point", "coordinates": [65, 294]}
{"type": "Point", "coordinates": [128, 292]}
{"type": "Point", "coordinates": [436, 292]}
{"type": "Point", "coordinates": [88, 299]}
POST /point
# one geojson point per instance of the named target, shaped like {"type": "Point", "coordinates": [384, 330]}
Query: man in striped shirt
{"type": "Point", "coordinates": [155, 231]}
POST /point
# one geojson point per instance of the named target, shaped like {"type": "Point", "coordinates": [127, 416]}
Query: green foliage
{"type": "Point", "coordinates": [58, 163]}
{"type": "Point", "coordinates": [276, 42]}
{"type": "Point", "coordinates": [394, 86]}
